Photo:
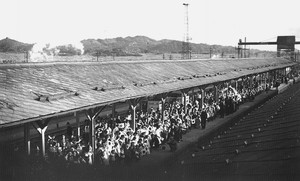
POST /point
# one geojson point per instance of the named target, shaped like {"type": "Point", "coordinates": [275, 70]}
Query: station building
{"type": "Point", "coordinates": [37, 99]}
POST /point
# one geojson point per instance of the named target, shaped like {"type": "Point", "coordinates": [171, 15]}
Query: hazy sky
{"type": "Point", "coordinates": [221, 22]}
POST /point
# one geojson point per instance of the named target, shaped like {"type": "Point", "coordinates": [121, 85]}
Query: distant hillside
{"type": "Point", "coordinates": [128, 46]}
{"type": "Point", "coordinates": [119, 46]}
{"type": "Point", "coordinates": [142, 44]}
{"type": "Point", "coordinates": [13, 46]}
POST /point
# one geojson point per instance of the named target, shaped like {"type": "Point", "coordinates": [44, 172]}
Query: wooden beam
{"type": "Point", "coordinates": [98, 112]}
{"type": "Point", "coordinates": [43, 123]}
{"type": "Point", "coordinates": [187, 89]}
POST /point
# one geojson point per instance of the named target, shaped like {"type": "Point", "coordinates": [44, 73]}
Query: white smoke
{"type": "Point", "coordinates": [42, 52]}
{"type": "Point", "coordinates": [215, 56]}
{"type": "Point", "coordinates": [79, 46]}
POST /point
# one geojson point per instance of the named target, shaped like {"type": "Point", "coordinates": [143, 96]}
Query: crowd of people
{"type": "Point", "coordinates": [117, 142]}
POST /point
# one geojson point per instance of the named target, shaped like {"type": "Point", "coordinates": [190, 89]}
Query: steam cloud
{"type": "Point", "coordinates": [43, 52]}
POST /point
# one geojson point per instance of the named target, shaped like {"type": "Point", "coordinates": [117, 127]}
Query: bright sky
{"type": "Point", "coordinates": [221, 22]}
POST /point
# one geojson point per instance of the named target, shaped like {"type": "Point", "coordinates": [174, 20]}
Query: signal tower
{"type": "Point", "coordinates": [186, 48]}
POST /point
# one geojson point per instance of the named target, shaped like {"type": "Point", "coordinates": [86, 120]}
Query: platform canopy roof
{"type": "Point", "coordinates": [34, 91]}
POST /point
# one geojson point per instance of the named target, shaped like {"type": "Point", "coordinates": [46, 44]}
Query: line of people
{"type": "Point", "coordinates": [117, 142]}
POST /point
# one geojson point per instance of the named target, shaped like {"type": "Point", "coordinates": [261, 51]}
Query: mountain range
{"type": "Point", "coordinates": [128, 46]}
{"type": "Point", "coordinates": [143, 44]}
{"type": "Point", "coordinates": [13, 46]}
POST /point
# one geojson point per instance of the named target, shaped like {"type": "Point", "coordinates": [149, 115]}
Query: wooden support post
{"type": "Point", "coordinates": [163, 101]}
{"type": "Point", "coordinates": [27, 138]}
{"type": "Point", "coordinates": [113, 111]}
{"type": "Point", "coordinates": [133, 105]}
{"type": "Point", "coordinates": [261, 77]}
{"type": "Point", "coordinates": [243, 84]}
{"type": "Point", "coordinates": [284, 71]}
{"type": "Point", "coordinates": [90, 127]}
{"type": "Point", "coordinates": [265, 77]}
{"type": "Point", "coordinates": [92, 115]}
{"type": "Point", "coordinates": [184, 94]}
{"type": "Point", "coordinates": [93, 140]}
{"type": "Point", "coordinates": [184, 101]}
{"type": "Point", "coordinates": [193, 96]}
{"type": "Point", "coordinates": [76, 114]}
{"type": "Point", "coordinates": [236, 84]}
{"type": "Point", "coordinates": [227, 86]}
{"type": "Point", "coordinates": [42, 131]}
{"type": "Point", "coordinates": [43, 125]}
{"type": "Point", "coordinates": [133, 117]}
{"type": "Point", "coordinates": [202, 97]}
{"type": "Point", "coordinates": [163, 97]}
{"type": "Point", "coordinates": [216, 94]}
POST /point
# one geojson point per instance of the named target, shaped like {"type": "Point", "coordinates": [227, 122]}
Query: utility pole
{"type": "Point", "coordinates": [241, 50]}
{"type": "Point", "coordinates": [238, 51]}
{"type": "Point", "coordinates": [186, 49]}
{"type": "Point", "coordinates": [97, 55]}
{"type": "Point", "coordinates": [245, 49]}
{"type": "Point", "coordinates": [26, 56]}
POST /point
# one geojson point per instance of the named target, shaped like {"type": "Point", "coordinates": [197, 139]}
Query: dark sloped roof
{"type": "Point", "coordinates": [38, 90]}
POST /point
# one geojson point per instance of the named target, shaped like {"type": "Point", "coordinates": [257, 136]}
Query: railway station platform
{"type": "Point", "coordinates": [196, 136]}
{"type": "Point", "coordinates": [147, 167]}
{"type": "Point", "coordinates": [151, 167]}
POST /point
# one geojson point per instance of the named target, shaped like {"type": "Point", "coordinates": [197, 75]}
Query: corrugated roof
{"type": "Point", "coordinates": [38, 90]}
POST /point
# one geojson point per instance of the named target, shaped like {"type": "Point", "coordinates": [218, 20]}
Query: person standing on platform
{"type": "Point", "coordinates": [227, 106]}
{"type": "Point", "coordinates": [69, 131]}
{"type": "Point", "coordinates": [222, 108]}
{"type": "Point", "coordinates": [203, 118]}
{"type": "Point", "coordinates": [198, 121]}
{"type": "Point", "coordinates": [86, 133]}
{"type": "Point", "coordinates": [230, 105]}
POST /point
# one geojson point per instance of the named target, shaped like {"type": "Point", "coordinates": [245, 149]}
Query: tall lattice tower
{"type": "Point", "coordinates": [186, 48]}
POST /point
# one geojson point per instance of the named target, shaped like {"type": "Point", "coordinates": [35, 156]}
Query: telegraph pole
{"type": "Point", "coordinates": [241, 50]}
{"type": "Point", "coordinates": [245, 49]}
{"type": "Point", "coordinates": [186, 49]}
